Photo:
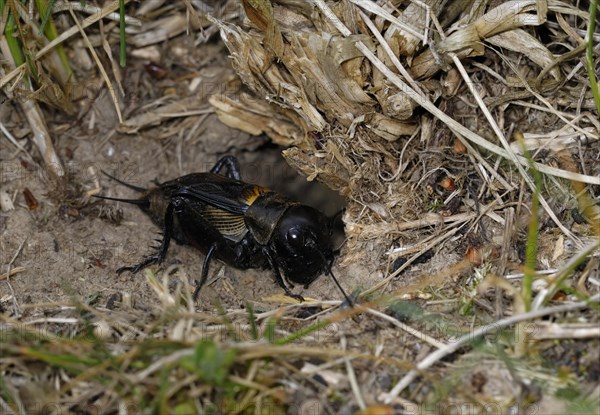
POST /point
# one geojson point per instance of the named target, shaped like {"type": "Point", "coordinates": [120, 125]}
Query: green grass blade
{"type": "Point", "coordinates": [49, 29]}
{"type": "Point", "coordinates": [531, 248]}
{"type": "Point", "coordinates": [252, 321]}
{"type": "Point", "coordinates": [12, 40]}
{"type": "Point", "coordinates": [122, 59]}
{"type": "Point", "coordinates": [303, 332]}
{"type": "Point", "coordinates": [45, 11]}
{"type": "Point", "coordinates": [65, 361]}
{"type": "Point", "coordinates": [269, 333]}
{"type": "Point", "coordinates": [590, 54]}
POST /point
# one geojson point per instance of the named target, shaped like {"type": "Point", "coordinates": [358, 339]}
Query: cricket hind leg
{"type": "Point", "coordinates": [204, 273]}
{"type": "Point", "coordinates": [159, 256]}
{"type": "Point", "coordinates": [232, 165]}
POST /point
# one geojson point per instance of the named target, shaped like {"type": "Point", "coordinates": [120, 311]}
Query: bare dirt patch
{"type": "Point", "coordinates": [438, 230]}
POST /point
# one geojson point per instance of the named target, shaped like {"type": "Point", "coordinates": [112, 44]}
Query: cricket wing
{"type": "Point", "coordinates": [222, 193]}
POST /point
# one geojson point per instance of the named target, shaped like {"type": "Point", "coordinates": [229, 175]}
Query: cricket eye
{"type": "Point", "coordinates": [295, 237]}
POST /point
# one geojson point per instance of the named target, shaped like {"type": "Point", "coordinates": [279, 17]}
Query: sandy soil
{"type": "Point", "coordinates": [72, 248]}
{"type": "Point", "coordinates": [69, 246]}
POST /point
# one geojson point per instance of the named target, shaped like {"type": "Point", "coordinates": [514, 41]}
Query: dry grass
{"type": "Point", "coordinates": [466, 141]}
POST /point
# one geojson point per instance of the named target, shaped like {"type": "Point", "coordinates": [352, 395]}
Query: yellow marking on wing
{"type": "Point", "coordinates": [250, 195]}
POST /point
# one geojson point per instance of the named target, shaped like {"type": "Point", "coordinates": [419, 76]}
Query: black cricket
{"type": "Point", "coordinates": [241, 224]}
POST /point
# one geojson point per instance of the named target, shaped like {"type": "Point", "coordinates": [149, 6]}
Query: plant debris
{"type": "Point", "coordinates": [464, 137]}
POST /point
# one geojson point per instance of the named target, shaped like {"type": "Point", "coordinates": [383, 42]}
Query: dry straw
{"type": "Point", "coordinates": [346, 82]}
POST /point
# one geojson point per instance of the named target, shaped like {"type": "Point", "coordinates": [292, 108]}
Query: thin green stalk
{"type": "Point", "coordinates": [252, 321]}
{"type": "Point", "coordinates": [568, 271]}
{"type": "Point", "coordinates": [122, 59]}
{"type": "Point", "coordinates": [590, 54]}
{"type": "Point", "coordinates": [49, 29]}
{"type": "Point", "coordinates": [66, 361]}
{"type": "Point", "coordinates": [532, 235]}
{"type": "Point", "coordinates": [226, 321]}
{"type": "Point", "coordinates": [531, 251]}
{"type": "Point", "coordinates": [13, 41]}
{"type": "Point", "coordinates": [10, 32]}
{"type": "Point", "coordinates": [302, 332]}
{"type": "Point", "coordinates": [45, 11]}
{"type": "Point", "coordinates": [162, 399]}
{"type": "Point", "coordinates": [14, 44]}
{"type": "Point", "coordinates": [13, 35]}
{"type": "Point", "coordinates": [269, 333]}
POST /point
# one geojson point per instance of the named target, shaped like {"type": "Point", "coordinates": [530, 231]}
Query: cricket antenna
{"type": "Point", "coordinates": [131, 186]}
{"type": "Point", "coordinates": [132, 201]}
{"type": "Point", "coordinates": [348, 300]}
{"type": "Point", "coordinates": [329, 263]}
{"type": "Point", "coordinates": [337, 218]}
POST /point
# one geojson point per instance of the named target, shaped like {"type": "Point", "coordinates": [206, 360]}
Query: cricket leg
{"type": "Point", "coordinates": [279, 278]}
{"type": "Point", "coordinates": [204, 273]}
{"type": "Point", "coordinates": [232, 165]}
{"type": "Point", "coordinates": [159, 256]}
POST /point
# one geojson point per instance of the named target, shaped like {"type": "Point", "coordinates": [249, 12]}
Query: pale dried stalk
{"type": "Point", "coordinates": [468, 40]}
{"type": "Point", "coordinates": [12, 139]}
{"type": "Point", "coordinates": [35, 117]}
{"type": "Point", "coordinates": [12, 272]}
{"type": "Point", "coordinates": [522, 42]}
{"type": "Point", "coordinates": [546, 293]}
{"type": "Point", "coordinates": [262, 119]}
{"type": "Point", "coordinates": [41, 138]}
{"type": "Point", "coordinates": [425, 247]}
{"type": "Point", "coordinates": [192, 105]}
{"type": "Point", "coordinates": [109, 85]}
{"type": "Point", "coordinates": [428, 219]}
{"type": "Point", "coordinates": [161, 30]}
{"type": "Point", "coordinates": [308, 85]}
{"type": "Point", "coordinates": [352, 377]}
{"type": "Point", "coordinates": [462, 130]}
{"type": "Point", "coordinates": [410, 330]}
{"type": "Point", "coordinates": [511, 154]}
{"type": "Point", "coordinates": [87, 8]}
{"type": "Point", "coordinates": [544, 330]}
{"type": "Point", "coordinates": [469, 337]}
{"type": "Point", "coordinates": [554, 140]}
{"type": "Point", "coordinates": [374, 8]}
